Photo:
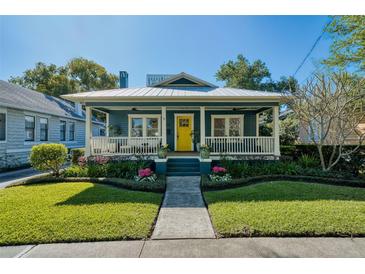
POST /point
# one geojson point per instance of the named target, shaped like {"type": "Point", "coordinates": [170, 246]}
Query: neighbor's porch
{"type": "Point", "coordinates": [228, 129]}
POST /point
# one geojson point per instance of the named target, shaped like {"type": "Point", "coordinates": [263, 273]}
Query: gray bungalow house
{"type": "Point", "coordinates": [29, 117]}
{"type": "Point", "coordinates": [184, 112]}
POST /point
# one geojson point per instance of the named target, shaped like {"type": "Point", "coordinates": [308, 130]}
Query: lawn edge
{"type": "Point", "coordinates": [116, 182]}
{"type": "Point", "coordinates": [207, 185]}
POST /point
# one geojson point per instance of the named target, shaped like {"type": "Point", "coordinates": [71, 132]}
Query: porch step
{"type": "Point", "coordinates": [189, 168]}
{"type": "Point", "coordinates": [183, 173]}
{"type": "Point", "coordinates": [183, 167]}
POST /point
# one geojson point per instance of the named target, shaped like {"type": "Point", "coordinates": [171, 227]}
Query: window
{"type": "Point", "coordinates": [152, 127]}
{"type": "Point", "coordinates": [43, 122]}
{"type": "Point", "coordinates": [227, 125]}
{"type": "Point", "coordinates": [29, 128]}
{"type": "Point", "coordinates": [101, 131]}
{"type": "Point", "coordinates": [71, 131]}
{"type": "Point", "coordinates": [137, 127]}
{"type": "Point", "coordinates": [2, 126]}
{"type": "Point", "coordinates": [62, 130]}
{"type": "Point", "coordinates": [144, 125]}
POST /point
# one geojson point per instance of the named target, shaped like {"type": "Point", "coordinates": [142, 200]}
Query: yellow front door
{"type": "Point", "coordinates": [184, 129]}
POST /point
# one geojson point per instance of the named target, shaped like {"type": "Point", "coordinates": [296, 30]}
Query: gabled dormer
{"type": "Point", "coordinates": [183, 80]}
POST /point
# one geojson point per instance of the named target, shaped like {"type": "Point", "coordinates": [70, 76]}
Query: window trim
{"type": "Point", "coordinates": [144, 123]}
{"type": "Point", "coordinates": [34, 129]}
{"type": "Point", "coordinates": [40, 129]}
{"type": "Point", "coordinates": [69, 131]}
{"type": "Point", "coordinates": [65, 140]}
{"type": "Point", "coordinates": [226, 129]}
{"type": "Point", "coordinates": [5, 111]}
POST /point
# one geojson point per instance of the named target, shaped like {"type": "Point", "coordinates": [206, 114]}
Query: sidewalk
{"type": "Point", "coordinates": [197, 248]}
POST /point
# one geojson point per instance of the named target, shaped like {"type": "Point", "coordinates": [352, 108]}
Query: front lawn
{"type": "Point", "coordinates": [288, 208]}
{"type": "Point", "coordinates": [65, 212]}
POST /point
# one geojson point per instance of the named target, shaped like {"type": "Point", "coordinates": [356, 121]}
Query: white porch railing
{"type": "Point", "coordinates": [241, 145]}
{"type": "Point", "coordinates": [125, 145]}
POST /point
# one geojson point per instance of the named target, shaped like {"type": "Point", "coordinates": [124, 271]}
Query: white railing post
{"type": "Point", "coordinates": [202, 126]}
{"type": "Point", "coordinates": [88, 131]}
{"type": "Point", "coordinates": [163, 125]}
{"type": "Point", "coordinates": [276, 131]}
{"type": "Point", "coordinates": [107, 124]}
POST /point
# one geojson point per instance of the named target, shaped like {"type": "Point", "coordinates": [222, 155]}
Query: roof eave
{"type": "Point", "coordinates": [171, 98]}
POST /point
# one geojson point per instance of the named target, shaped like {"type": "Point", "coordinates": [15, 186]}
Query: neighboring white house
{"type": "Point", "coordinates": [29, 117]}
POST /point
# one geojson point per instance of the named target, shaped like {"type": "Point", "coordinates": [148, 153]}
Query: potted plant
{"type": "Point", "coordinates": [162, 152]}
{"type": "Point", "coordinates": [204, 151]}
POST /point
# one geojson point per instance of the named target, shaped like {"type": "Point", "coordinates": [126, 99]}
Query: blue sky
{"type": "Point", "coordinates": [161, 44]}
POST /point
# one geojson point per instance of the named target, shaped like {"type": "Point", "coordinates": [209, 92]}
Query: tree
{"type": "Point", "coordinates": [289, 130]}
{"type": "Point", "coordinates": [89, 75]}
{"type": "Point", "coordinates": [77, 75]}
{"type": "Point", "coordinates": [242, 74]}
{"type": "Point", "coordinates": [330, 109]}
{"type": "Point", "coordinates": [256, 76]}
{"type": "Point", "coordinates": [348, 47]}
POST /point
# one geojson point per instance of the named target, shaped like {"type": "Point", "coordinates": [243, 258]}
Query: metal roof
{"type": "Point", "coordinates": [173, 93]}
{"type": "Point", "coordinates": [18, 97]}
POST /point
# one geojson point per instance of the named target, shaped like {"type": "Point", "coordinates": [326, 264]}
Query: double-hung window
{"type": "Point", "coordinates": [43, 124]}
{"type": "Point", "coordinates": [71, 131]}
{"type": "Point", "coordinates": [227, 125]}
{"type": "Point", "coordinates": [62, 130]}
{"type": "Point", "coordinates": [2, 126]}
{"type": "Point", "coordinates": [144, 125]}
{"type": "Point", "coordinates": [29, 128]}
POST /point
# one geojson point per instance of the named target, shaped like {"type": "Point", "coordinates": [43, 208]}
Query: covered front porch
{"type": "Point", "coordinates": [227, 128]}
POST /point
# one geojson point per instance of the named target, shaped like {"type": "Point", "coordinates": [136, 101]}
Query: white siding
{"type": "Point", "coordinates": [16, 150]}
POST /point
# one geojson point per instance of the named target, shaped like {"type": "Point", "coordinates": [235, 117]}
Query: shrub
{"type": "Point", "coordinates": [47, 157]}
{"type": "Point", "coordinates": [308, 161]}
{"type": "Point", "coordinates": [76, 171]}
{"type": "Point", "coordinates": [76, 153]}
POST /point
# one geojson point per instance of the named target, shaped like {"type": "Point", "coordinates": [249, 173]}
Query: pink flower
{"type": "Point", "coordinates": [146, 172]}
{"type": "Point", "coordinates": [82, 161]}
{"type": "Point", "coordinates": [218, 169]}
{"type": "Point", "coordinates": [101, 160]}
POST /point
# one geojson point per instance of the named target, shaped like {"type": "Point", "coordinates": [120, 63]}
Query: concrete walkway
{"type": "Point", "coordinates": [198, 248]}
{"type": "Point", "coordinates": [183, 214]}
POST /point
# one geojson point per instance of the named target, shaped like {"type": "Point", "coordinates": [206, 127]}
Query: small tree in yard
{"type": "Point", "coordinates": [48, 157]}
{"type": "Point", "coordinates": [330, 109]}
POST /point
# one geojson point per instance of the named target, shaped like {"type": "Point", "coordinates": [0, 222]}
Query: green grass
{"type": "Point", "coordinates": [64, 212]}
{"type": "Point", "coordinates": [288, 209]}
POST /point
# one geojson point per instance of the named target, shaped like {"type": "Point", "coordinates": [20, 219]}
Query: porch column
{"type": "Point", "coordinates": [202, 125]}
{"type": "Point", "coordinates": [107, 124]}
{"type": "Point", "coordinates": [276, 131]}
{"type": "Point", "coordinates": [88, 131]}
{"type": "Point", "coordinates": [163, 125]}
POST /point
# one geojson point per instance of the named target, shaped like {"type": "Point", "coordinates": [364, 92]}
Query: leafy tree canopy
{"type": "Point", "coordinates": [348, 47]}
{"type": "Point", "coordinates": [78, 75]}
{"type": "Point", "coordinates": [241, 73]}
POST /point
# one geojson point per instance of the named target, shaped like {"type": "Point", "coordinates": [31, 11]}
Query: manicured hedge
{"type": "Point", "coordinates": [207, 184]}
{"type": "Point", "coordinates": [295, 151]}
{"type": "Point", "coordinates": [355, 163]}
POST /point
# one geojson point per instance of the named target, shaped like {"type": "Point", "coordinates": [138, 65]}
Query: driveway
{"type": "Point", "coordinates": [11, 177]}
{"type": "Point", "coordinates": [198, 248]}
